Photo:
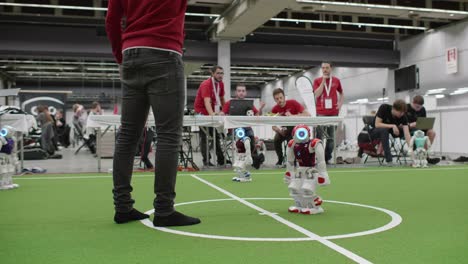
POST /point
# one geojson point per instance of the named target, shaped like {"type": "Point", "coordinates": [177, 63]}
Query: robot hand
{"type": "Point", "coordinates": [288, 176]}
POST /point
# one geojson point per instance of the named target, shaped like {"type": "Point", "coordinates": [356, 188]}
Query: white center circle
{"type": "Point", "coordinates": [396, 220]}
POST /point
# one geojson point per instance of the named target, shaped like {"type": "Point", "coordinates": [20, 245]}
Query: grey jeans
{"type": "Point", "coordinates": [150, 78]}
{"type": "Point", "coordinates": [326, 132]}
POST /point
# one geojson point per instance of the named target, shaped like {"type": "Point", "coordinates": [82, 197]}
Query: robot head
{"type": "Point", "coordinates": [419, 134]}
{"type": "Point", "coordinates": [7, 132]}
{"type": "Point", "coordinates": [239, 132]}
{"type": "Point", "coordinates": [301, 133]}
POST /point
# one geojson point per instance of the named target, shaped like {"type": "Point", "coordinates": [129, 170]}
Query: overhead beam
{"type": "Point", "coordinates": [244, 16]}
{"type": "Point", "coordinates": [28, 41]}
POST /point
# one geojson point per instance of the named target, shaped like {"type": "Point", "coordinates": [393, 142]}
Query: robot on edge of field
{"type": "Point", "coordinates": [305, 170]}
{"type": "Point", "coordinates": [8, 158]}
{"type": "Point", "coordinates": [242, 156]}
{"type": "Point", "coordinates": [423, 146]}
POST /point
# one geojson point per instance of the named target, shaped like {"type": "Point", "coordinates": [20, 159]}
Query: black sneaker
{"type": "Point", "coordinates": [175, 219]}
{"type": "Point", "coordinates": [433, 161]}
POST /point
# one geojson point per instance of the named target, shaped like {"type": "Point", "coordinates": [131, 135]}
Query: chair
{"type": "Point", "coordinates": [186, 150]}
{"type": "Point", "coordinates": [367, 145]}
{"type": "Point", "coordinates": [397, 146]}
{"type": "Point", "coordinates": [90, 142]}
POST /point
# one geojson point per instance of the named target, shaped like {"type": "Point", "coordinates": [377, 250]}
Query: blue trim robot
{"type": "Point", "coordinates": [242, 156]}
{"type": "Point", "coordinates": [419, 149]}
{"type": "Point", "coordinates": [305, 171]}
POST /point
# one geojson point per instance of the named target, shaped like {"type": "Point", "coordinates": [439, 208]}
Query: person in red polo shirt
{"type": "Point", "coordinates": [284, 107]}
{"type": "Point", "coordinates": [148, 50]}
{"type": "Point", "coordinates": [327, 103]}
{"type": "Point", "coordinates": [210, 101]}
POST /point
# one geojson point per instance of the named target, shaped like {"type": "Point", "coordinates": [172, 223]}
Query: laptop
{"type": "Point", "coordinates": [425, 123]}
{"type": "Point", "coordinates": [239, 107]}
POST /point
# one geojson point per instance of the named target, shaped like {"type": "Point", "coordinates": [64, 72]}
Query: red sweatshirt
{"type": "Point", "coordinates": [148, 23]}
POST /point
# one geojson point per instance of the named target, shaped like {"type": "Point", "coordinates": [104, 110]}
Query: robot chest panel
{"type": "Point", "coordinates": [240, 146]}
{"type": "Point", "coordinates": [303, 156]}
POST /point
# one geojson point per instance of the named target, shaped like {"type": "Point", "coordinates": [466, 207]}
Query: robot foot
{"type": "Point", "coordinates": [312, 211]}
{"type": "Point", "coordinates": [242, 179]}
{"type": "Point", "coordinates": [294, 209]}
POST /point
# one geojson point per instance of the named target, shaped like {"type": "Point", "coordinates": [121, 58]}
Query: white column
{"type": "Point", "coordinates": [224, 60]}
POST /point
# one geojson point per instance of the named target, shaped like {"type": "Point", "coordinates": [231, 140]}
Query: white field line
{"type": "Point", "coordinates": [300, 229]}
{"type": "Point", "coordinates": [225, 173]}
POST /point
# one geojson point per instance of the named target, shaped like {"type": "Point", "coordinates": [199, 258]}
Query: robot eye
{"type": "Point", "coordinates": [240, 133]}
{"type": "Point", "coordinates": [302, 134]}
{"type": "Point", "coordinates": [4, 132]}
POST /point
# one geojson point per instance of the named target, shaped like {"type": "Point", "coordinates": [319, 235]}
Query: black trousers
{"type": "Point", "coordinates": [203, 139]}
{"type": "Point", "coordinates": [150, 78]}
{"type": "Point", "coordinates": [382, 134]}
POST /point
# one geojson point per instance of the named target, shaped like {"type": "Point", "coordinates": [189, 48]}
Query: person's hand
{"type": "Point", "coordinates": [221, 113]}
{"type": "Point", "coordinates": [283, 131]}
{"type": "Point", "coordinates": [262, 104]}
{"type": "Point", "coordinates": [413, 125]}
{"type": "Point", "coordinates": [396, 131]}
{"type": "Point", "coordinates": [288, 113]}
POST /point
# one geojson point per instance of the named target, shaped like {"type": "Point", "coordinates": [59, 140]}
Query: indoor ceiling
{"type": "Point", "coordinates": [353, 24]}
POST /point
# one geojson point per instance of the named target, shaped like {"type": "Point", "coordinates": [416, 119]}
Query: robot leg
{"type": "Point", "coordinates": [295, 192]}
{"type": "Point", "coordinates": [311, 199]}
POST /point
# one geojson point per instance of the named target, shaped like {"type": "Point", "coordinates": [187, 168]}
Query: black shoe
{"type": "Point", "coordinates": [221, 163]}
{"type": "Point", "coordinates": [148, 164]}
{"type": "Point", "coordinates": [208, 164]}
{"type": "Point", "coordinates": [433, 161]}
{"type": "Point", "coordinates": [461, 159]}
{"type": "Point", "coordinates": [175, 219]}
{"type": "Point", "coordinates": [133, 215]}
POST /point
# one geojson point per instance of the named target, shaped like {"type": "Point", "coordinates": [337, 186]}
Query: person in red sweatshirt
{"type": "Point", "coordinates": [147, 38]}
{"type": "Point", "coordinates": [326, 90]}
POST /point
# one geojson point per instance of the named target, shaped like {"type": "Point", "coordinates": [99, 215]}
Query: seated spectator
{"type": "Point", "coordinates": [46, 122]}
{"type": "Point", "coordinates": [258, 153]}
{"type": "Point", "coordinates": [415, 110]}
{"type": "Point", "coordinates": [79, 117]}
{"type": "Point", "coordinates": [390, 119]}
{"type": "Point", "coordinates": [284, 107]}
{"type": "Point", "coordinates": [63, 130]}
{"type": "Point", "coordinates": [96, 109]}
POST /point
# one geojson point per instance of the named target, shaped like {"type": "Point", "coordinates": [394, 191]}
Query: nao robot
{"type": "Point", "coordinates": [419, 149]}
{"type": "Point", "coordinates": [8, 158]}
{"type": "Point", "coordinates": [242, 156]}
{"type": "Point", "coordinates": [305, 170]}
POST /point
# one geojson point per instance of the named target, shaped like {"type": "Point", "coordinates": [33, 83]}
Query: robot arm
{"type": "Point", "coordinates": [411, 145]}
{"type": "Point", "coordinates": [248, 151]}
{"type": "Point", "coordinates": [428, 144]}
{"type": "Point", "coordinates": [290, 168]}
{"type": "Point", "coordinates": [321, 166]}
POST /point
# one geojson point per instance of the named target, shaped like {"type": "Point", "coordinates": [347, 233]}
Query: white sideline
{"type": "Point", "coordinates": [300, 229]}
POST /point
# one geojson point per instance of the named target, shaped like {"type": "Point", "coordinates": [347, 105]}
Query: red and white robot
{"type": "Point", "coordinates": [305, 170]}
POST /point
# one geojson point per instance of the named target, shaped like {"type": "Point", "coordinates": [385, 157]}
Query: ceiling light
{"type": "Point", "coordinates": [439, 96]}
{"type": "Point", "coordinates": [346, 23]}
{"type": "Point", "coordinates": [435, 91]}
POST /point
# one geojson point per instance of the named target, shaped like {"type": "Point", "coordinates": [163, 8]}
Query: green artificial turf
{"type": "Point", "coordinates": [68, 219]}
